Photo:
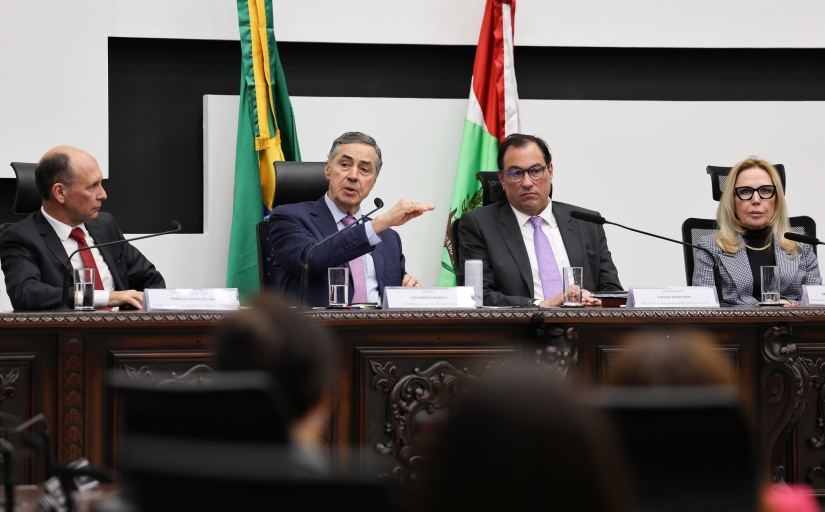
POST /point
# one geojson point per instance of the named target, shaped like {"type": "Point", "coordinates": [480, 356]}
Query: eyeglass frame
{"type": "Point", "coordinates": [753, 191]}
{"type": "Point", "coordinates": [523, 171]}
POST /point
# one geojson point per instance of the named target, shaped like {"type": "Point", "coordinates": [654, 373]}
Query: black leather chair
{"type": "Point", "coordinates": [295, 182]}
{"type": "Point", "coordinates": [221, 443]}
{"type": "Point", "coordinates": [26, 196]}
{"type": "Point", "coordinates": [693, 229]}
{"type": "Point", "coordinates": [689, 448]}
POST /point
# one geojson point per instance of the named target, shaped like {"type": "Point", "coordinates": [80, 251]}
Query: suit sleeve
{"type": "Point", "coordinates": [812, 275]}
{"type": "Point", "coordinates": [292, 239]}
{"type": "Point", "coordinates": [608, 275]}
{"type": "Point", "coordinates": [141, 273]}
{"type": "Point", "coordinates": [24, 283]}
{"type": "Point", "coordinates": [472, 246]}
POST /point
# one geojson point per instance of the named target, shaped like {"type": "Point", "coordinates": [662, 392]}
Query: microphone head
{"type": "Point", "coordinates": [805, 239]}
{"type": "Point", "coordinates": [587, 217]}
{"type": "Point", "coordinates": [176, 225]}
{"type": "Point", "coordinates": [379, 203]}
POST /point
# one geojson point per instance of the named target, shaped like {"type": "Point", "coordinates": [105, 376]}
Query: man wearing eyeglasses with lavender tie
{"type": "Point", "coordinates": [528, 239]}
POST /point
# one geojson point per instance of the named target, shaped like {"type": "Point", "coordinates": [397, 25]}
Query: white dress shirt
{"type": "Point", "coordinates": [101, 299]}
{"type": "Point", "coordinates": [551, 229]}
{"type": "Point", "coordinates": [369, 265]}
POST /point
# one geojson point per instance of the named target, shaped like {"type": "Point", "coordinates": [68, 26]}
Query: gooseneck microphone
{"type": "Point", "coordinates": [596, 219]}
{"type": "Point", "coordinates": [805, 239]}
{"type": "Point", "coordinates": [67, 276]}
{"type": "Point", "coordinates": [305, 271]}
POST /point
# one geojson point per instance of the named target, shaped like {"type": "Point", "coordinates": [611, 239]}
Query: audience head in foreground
{"type": "Point", "coordinates": [296, 351]}
{"type": "Point", "coordinates": [681, 358]}
{"type": "Point", "coordinates": [371, 250]}
{"type": "Point", "coordinates": [753, 218]}
{"type": "Point", "coordinates": [34, 252]}
{"type": "Point", "coordinates": [521, 443]}
{"type": "Point", "coordinates": [528, 239]}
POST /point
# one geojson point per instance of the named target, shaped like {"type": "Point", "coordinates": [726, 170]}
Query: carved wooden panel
{"type": "Point", "coordinates": [17, 397]}
{"type": "Point", "coordinates": [608, 355]}
{"type": "Point", "coordinates": [162, 368]}
{"type": "Point", "coordinates": [405, 395]}
{"type": "Point", "coordinates": [71, 427]}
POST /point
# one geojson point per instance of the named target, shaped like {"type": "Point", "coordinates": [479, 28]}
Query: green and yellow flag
{"type": "Point", "coordinates": [266, 134]}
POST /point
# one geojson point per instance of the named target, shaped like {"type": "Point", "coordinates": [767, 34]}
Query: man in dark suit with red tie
{"type": "Point", "coordinates": [34, 252]}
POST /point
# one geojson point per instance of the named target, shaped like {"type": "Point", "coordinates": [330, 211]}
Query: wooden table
{"type": "Point", "coordinates": [400, 370]}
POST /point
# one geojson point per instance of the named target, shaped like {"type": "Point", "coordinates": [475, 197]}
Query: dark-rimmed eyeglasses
{"type": "Point", "coordinates": [746, 193]}
{"type": "Point", "coordinates": [516, 175]}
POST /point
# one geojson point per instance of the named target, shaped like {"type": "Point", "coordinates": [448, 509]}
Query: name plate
{"type": "Point", "coordinates": [190, 299]}
{"type": "Point", "coordinates": [813, 296]}
{"type": "Point", "coordinates": [441, 297]}
{"type": "Point", "coordinates": [673, 297]}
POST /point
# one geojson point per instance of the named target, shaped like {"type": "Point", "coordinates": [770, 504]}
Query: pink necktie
{"type": "Point", "coordinates": [356, 267]}
{"type": "Point", "coordinates": [548, 268]}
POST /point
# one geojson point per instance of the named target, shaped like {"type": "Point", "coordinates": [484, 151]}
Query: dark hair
{"type": "Point", "coordinates": [517, 442]}
{"type": "Point", "coordinates": [520, 140]}
{"type": "Point", "coordinates": [271, 337]}
{"type": "Point", "coordinates": [53, 168]}
{"type": "Point", "coordinates": [356, 138]}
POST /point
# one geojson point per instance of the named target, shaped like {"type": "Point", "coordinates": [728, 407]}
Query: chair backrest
{"type": "Point", "coordinates": [26, 198]}
{"type": "Point", "coordinates": [694, 229]}
{"type": "Point", "coordinates": [238, 406]}
{"type": "Point", "coordinates": [689, 448]}
{"type": "Point", "coordinates": [491, 189]}
{"type": "Point", "coordinates": [719, 175]}
{"type": "Point", "coordinates": [295, 182]}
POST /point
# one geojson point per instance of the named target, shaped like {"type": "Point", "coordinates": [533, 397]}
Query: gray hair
{"type": "Point", "coordinates": [356, 138]}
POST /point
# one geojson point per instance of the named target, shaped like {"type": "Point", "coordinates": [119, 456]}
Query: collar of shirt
{"type": "Point", "coordinates": [337, 214]}
{"type": "Point", "coordinates": [62, 230]}
{"type": "Point", "coordinates": [546, 214]}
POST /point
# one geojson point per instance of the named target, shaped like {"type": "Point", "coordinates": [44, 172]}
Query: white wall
{"type": "Point", "coordinates": [54, 88]}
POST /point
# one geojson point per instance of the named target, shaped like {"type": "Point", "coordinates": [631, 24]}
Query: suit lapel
{"type": "Point", "coordinates": [322, 218]}
{"type": "Point", "coordinates": [50, 239]}
{"type": "Point", "coordinates": [109, 253]}
{"type": "Point", "coordinates": [511, 234]}
{"type": "Point", "coordinates": [571, 239]}
{"type": "Point", "coordinates": [739, 269]}
{"type": "Point", "coordinates": [378, 261]}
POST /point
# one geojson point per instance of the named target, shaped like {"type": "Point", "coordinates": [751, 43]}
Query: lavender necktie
{"type": "Point", "coordinates": [356, 267]}
{"type": "Point", "coordinates": [548, 268]}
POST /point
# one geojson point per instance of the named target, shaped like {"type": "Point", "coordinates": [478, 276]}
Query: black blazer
{"type": "Point", "coordinates": [33, 258]}
{"type": "Point", "coordinates": [492, 234]}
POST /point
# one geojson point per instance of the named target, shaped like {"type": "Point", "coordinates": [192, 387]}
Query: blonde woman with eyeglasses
{"type": "Point", "coordinates": [753, 219]}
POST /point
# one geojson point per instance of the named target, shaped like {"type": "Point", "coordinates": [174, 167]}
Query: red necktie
{"type": "Point", "coordinates": [88, 260]}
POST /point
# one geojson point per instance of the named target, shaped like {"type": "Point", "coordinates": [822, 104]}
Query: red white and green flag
{"type": "Point", "coordinates": [491, 115]}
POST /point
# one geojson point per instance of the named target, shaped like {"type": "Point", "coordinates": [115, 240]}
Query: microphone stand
{"type": "Point", "coordinates": [305, 270]}
{"type": "Point", "coordinates": [67, 276]}
{"type": "Point", "coordinates": [717, 276]}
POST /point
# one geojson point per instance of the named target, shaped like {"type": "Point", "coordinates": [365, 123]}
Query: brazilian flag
{"type": "Point", "coordinates": [266, 134]}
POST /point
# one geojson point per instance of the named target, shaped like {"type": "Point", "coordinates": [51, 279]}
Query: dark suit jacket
{"type": "Point", "coordinates": [33, 259]}
{"type": "Point", "coordinates": [492, 234]}
{"type": "Point", "coordinates": [294, 228]}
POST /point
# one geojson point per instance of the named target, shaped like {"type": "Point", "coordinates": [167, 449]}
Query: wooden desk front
{"type": "Point", "coordinates": [401, 369]}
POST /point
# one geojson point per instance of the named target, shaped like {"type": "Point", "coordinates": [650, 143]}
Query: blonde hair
{"type": "Point", "coordinates": [731, 230]}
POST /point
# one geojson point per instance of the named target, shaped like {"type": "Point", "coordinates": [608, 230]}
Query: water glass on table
{"type": "Point", "coordinates": [84, 289]}
{"type": "Point", "coordinates": [338, 287]}
{"type": "Point", "coordinates": [770, 285]}
{"type": "Point", "coordinates": [572, 278]}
